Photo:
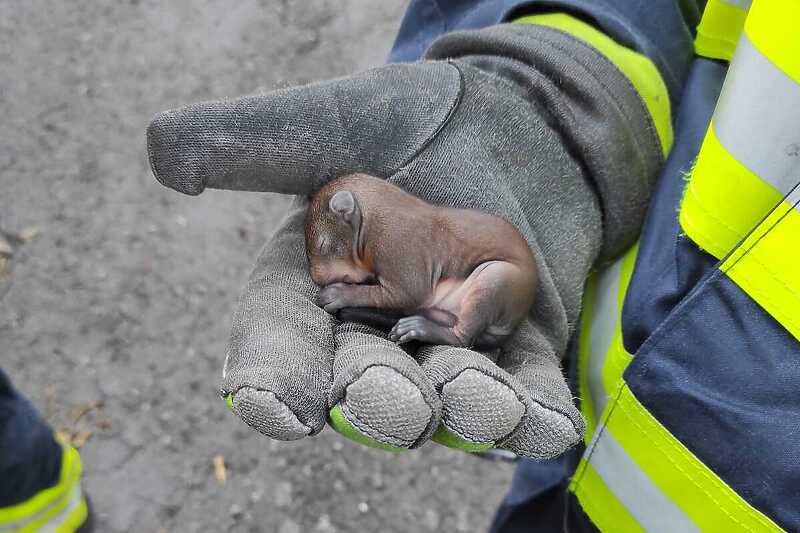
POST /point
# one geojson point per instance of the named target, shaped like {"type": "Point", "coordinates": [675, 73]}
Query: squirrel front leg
{"type": "Point", "coordinates": [337, 296]}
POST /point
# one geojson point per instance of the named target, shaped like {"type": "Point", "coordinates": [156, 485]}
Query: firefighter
{"type": "Point", "coordinates": [40, 476]}
{"type": "Point", "coordinates": [649, 153]}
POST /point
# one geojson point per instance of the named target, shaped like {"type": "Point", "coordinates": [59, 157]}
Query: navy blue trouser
{"type": "Point", "coordinates": [30, 457]}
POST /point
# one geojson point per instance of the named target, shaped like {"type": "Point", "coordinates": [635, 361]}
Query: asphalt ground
{"type": "Point", "coordinates": [117, 294]}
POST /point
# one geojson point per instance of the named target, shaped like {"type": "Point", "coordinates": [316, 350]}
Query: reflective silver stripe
{"type": "Point", "coordinates": [742, 4]}
{"type": "Point", "coordinates": [53, 524]}
{"type": "Point", "coordinates": [757, 118]}
{"type": "Point", "coordinates": [634, 490]}
{"type": "Point", "coordinates": [793, 198]}
{"type": "Point", "coordinates": [74, 496]}
{"type": "Point", "coordinates": [601, 330]}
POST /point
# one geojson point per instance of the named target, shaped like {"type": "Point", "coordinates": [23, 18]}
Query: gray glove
{"type": "Point", "coordinates": [523, 122]}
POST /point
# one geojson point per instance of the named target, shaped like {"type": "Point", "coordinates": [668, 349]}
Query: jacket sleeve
{"type": "Point", "coordinates": [661, 30]}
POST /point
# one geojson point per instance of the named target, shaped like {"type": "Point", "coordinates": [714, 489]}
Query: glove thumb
{"type": "Point", "coordinates": [293, 140]}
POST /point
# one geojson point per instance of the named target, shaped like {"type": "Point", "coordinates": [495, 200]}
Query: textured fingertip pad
{"type": "Point", "coordinates": [544, 434]}
{"type": "Point", "coordinates": [479, 409]}
{"type": "Point", "coordinates": [172, 159]}
{"type": "Point", "coordinates": [386, 407]}
{"type": "Point", "coordinates": [342, 425]}
{"type": "Point", "coordinates": [264, 412]}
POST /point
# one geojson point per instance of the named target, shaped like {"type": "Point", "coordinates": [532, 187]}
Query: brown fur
{"type": "Point", "coordinates": [458, 276]}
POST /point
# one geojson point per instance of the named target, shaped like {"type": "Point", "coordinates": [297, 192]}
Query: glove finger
{"type": "Point", "coordinates": [293, 140]}
{"type": "Point", "coordinates": [278, 365]}
{"type": "Point", "coordinates": [380, 396]}
{"type": "Point", "coordinates": [481, 403]}
{"type": "Point", "coordinates": [552, 423]}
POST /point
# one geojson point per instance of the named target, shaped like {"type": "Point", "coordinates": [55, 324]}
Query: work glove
{"type": "Point", "coordinates": [523, 122]}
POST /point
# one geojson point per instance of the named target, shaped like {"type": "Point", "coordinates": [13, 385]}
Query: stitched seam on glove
{"type": "Point", "coordinates": [278, 399]}
{"type": "Point", "coordinates": [368, 430]}
{"type": "Point", "coordinates": [450, 113]}
{"type": "Point", "coordinates": [468, 438]}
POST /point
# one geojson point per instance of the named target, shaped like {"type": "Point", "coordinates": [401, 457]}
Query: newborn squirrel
{"type": "Point", "coordinates": [435, 274]}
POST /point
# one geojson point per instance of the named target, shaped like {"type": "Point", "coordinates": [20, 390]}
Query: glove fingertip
{"type": "Point", "coordinates": [170, 162]}
{"type": "Point", "coordinates": [266, 413]}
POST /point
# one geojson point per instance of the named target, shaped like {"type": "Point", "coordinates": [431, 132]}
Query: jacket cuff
{"type": "Point", "coordinates": [638, 68]}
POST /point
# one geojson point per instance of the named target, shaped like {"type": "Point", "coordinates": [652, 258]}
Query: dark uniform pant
{"type": "Point", "coordinates": [30, 457]}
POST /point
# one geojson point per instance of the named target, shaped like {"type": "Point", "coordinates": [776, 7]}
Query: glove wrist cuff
{"type": "Point", "coordinates": [594, 107]}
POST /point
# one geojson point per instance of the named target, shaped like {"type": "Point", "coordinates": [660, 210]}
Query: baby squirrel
{"type": "Point", "coordinates": [433, 274]}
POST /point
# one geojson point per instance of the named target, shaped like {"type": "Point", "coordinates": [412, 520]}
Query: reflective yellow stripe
{"type": "Point", "coordinates": [706, 499]}
{"type": "Point", "coordinates": [605, 510]}
{"type": "Point", "coordinates": [680, 477]}
{"type": "Point", "coordinates": [618, 358]}
{"type": "Point", "coordinates": [66, 520]}
{"type": "Point", "coordinates": [758, 117]}
{"type": "Point", "coordinates": [740, 205]}
{"type": "Point", "coordinates": [642, 499]}
{"type": "Point", "coordinates": [720, 27]}
{"type": "Point", "coordinates": [598, 322]}
{"type": "Point", "coordinates": [588, 408]}
{"type": "Point", "coordinates": [765, 266]}
{"type": "Point", "coordinates": [723, 200]}
{"type": "Point", "coordinates": [34, 513]}
{"type": "Point", "coordinates": [773, 27]}
{"type": "Point", "coordinates": [750, 160]}
{"type": "Point", "coordinates": [75, 517]}
{"type": "Point", "coordinates": [602, 358]}
{"type": "Point", "coordinates": [639, 70]}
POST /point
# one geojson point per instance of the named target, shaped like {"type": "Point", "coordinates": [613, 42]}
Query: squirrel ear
{"type": "Point", "coordinates": [343, 205]}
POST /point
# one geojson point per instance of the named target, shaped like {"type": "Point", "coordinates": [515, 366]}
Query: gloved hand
{"type": "Point", "coordinates": [523, 122]}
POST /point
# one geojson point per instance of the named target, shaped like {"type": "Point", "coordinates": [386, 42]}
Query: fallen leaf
{"type": "Point", "coordinates": [28, 233]}
{"type": "Point", "coordinates": [220, 472]}
{"type": "Point", "coordinates": [81, 410]}
{"type": "Point", "coordinates": [64, 436]}
{"type": "Point", "coordinates": [5, 248]}
{"type": "Point", "coordinates": [73, 438]}
{"type": "Point", "coordinates": [80, 438]}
